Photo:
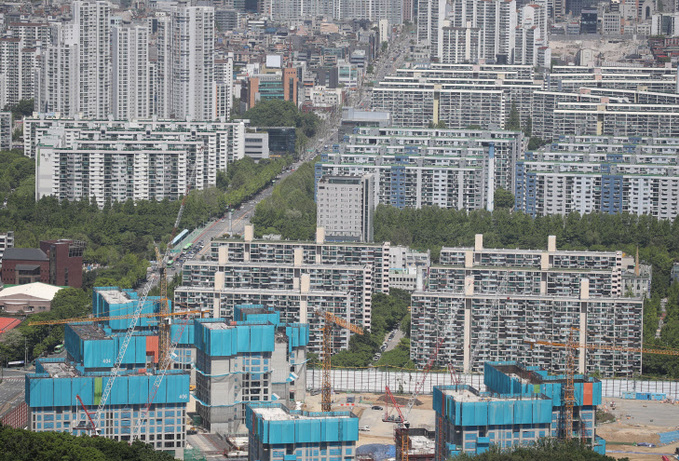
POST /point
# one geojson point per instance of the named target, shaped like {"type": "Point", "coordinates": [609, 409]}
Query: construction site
{"type": "Point", "coordinates": [238, 385]}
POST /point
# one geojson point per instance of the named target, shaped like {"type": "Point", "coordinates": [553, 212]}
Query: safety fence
{"type": "Point", "coordinates": [405, 381]}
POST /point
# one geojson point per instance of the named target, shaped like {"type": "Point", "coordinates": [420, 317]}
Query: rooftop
{"type": "Point", "coordinates": [24, 254]}
{"type": "Point", "coordinates": [35, 289]}
{"type": "Point", "coordinates": [115, 296]}
{"type": "Point", "coordinates": [279, 413]}
{"type": "Point", "coordinates": [7, 323]}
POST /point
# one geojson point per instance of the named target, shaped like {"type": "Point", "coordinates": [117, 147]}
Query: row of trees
{"type": "Point", "coordinates": [23, 445]}
{"type": "Point", "coordinates": [119, 238]}
{"type": "Point", "coordinates": [543, 450]}
{"type": "Point", "coordinates": [291, 209]}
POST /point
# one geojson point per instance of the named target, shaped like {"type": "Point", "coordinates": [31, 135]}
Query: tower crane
{"type": "Point", "coordinates": [164, 332]}
{"type": "Point", "coordinates": [401, 431]}
{"type": "Point", "coordinates": [571, 348]}
{"type": "Point", "coordinates": [111, 317]}
{"type": "Point", "coordinates": [326, 386]}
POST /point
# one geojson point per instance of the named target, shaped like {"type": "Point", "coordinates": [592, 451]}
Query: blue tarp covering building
{"type": "Point", "coordinates": [522, 405]}
{"type": "Point", "coordinates": [274, 423]}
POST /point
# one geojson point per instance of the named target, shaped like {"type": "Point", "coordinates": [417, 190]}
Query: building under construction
{"type": "Point", "coordinates": [145, 403]}
{"type": "Point", "coordinates": [522, 404]}
{"type": "Point", "coordinates": [63, 394]}
{"type": "Point", "coordinates": [279, 434]}
{"type": "Point", "coordinates": [256, 358]}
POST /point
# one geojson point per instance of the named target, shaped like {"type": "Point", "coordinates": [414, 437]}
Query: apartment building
{"type": "Point", "coordinates": [614, 101]}
{"type": "Point", "coordinates": [191, 63]}
{"type": "Point", "coordinates": [484, 304]}
{"type": "Point", "coordinates": [587, 174]}
{"type": "Point", "coordinates": [131, 88]}
{"type": "Point", "coordinates": [255, 359]}
{"type": "Point", "coordinates": [6, 130]}
{"type": "Point", "coordinates": [457, 95]}
{"type": "Point", "coordinates": [6, 241]}
{"type": "Point", "coordinates": [18, 63]}
{"type": "Point", "coordinates": [276, 433]}
{"type": "Point", "coordinates": [91, 30]}
{"type": "Point", "coordinates": [416, 167]}
{"type": "Point", "coordinates": [120, 160]}
{"type": "Point", "coordinates": [299, 278]}
{"type": "Point", "coordinates": [346, 207]}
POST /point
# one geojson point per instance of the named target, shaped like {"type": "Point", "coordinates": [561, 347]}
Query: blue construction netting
{"type": "Point", "coordinates": [44, 391]}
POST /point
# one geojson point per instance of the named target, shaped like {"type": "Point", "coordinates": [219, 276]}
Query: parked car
{"type": "Point", "coordinates": [376, 407]}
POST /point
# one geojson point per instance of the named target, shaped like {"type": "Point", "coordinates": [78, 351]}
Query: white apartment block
{"type": "Point", "coordinates": [32, 33]}
{"type": "Point", "coordinates": [496, 21]}
{"type": "Point", "coordinates": [459, 95]}
{"type": "Point", "coordinates": [587, 174]}
{"type": "Point", "coordinates": [131, 89]}
{"type": "Point", "coordinates": [91, 33]}
{"type": "Point", "coordinates": [118, 160]}
{"type": "Point", "coordinates": [484, 304]}
{"type": "Point", "coordinates": [299, 278]}
{"type": "Point", "coordinates": [18, 64]}
{"type": "Point", "coordinates": [192, 68]}
{"type": "Point", "coordinates": [223, 88]}
{"type": "Point", "coordinates": [6, 241]}
{"type": "Point", "coordinates": [57, 81]}
{"type": "Point", "coordinates": [417, 167]}
{"type": "Point", "coordinates": [615, 101]}
{"type": "Point", "coordinates": [346, 207]}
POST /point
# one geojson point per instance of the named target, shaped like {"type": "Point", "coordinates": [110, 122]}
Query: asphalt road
{"type": "Point", "coordinates": [328, 134]}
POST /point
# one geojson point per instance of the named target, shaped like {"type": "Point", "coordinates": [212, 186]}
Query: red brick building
{"type": "Point", "coordinates": [65, 262]}
{"type": "Point", "coordinates": [24, 265]}
{"type": "Point", "coordinates": [57, 262]}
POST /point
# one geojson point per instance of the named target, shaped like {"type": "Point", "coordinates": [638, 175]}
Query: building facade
{"type": "Point", "coordinates": [276, 433]}
{"type": "Point", "coordinates": [416, 167]}
{"type": "Point", "coordinates": [521, 405]}
{"type": "Point", "coordinates": [483, 304]}
{"type": "Point", "coordinates": [117, 161]}
{"type": "Point", "coordinates": [299, 278]}
{"type": "Point", "coordinates": [588, 174]}
{"type": "Point", "coordinates": [346, 207]}
{"type": "Point", "coordinates": [257, 359]}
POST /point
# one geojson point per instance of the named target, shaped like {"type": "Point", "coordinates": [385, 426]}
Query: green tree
{"type": "Point", "coordinates": [514, 119]}
{"type": "Point", "coordinates": [23, 108]}
{"type": "Point", "coordinates": [542, 450]}
{"type": "Point", "coordinates": [23, 445]}
{"type": "Point", "coordinates": [503, 198]}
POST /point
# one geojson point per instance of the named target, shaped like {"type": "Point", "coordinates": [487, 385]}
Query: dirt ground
{"type": "Point", "coordinates": [636, 421]}
{"type": "Point", "coordinates": [639, 421]}
{"type": "Point", "coordinates": [611, 50]}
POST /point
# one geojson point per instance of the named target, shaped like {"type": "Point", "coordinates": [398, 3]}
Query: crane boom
{"type": "Point", "coordinates": [123, 348]}
{"type": "Point", "coordinates": [111, 317]}
{"type": "Point", "coordinates": [595, 347]}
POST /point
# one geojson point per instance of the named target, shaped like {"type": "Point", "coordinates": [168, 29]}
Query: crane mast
{"type": "Point", "coordinates": [326, 386]}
